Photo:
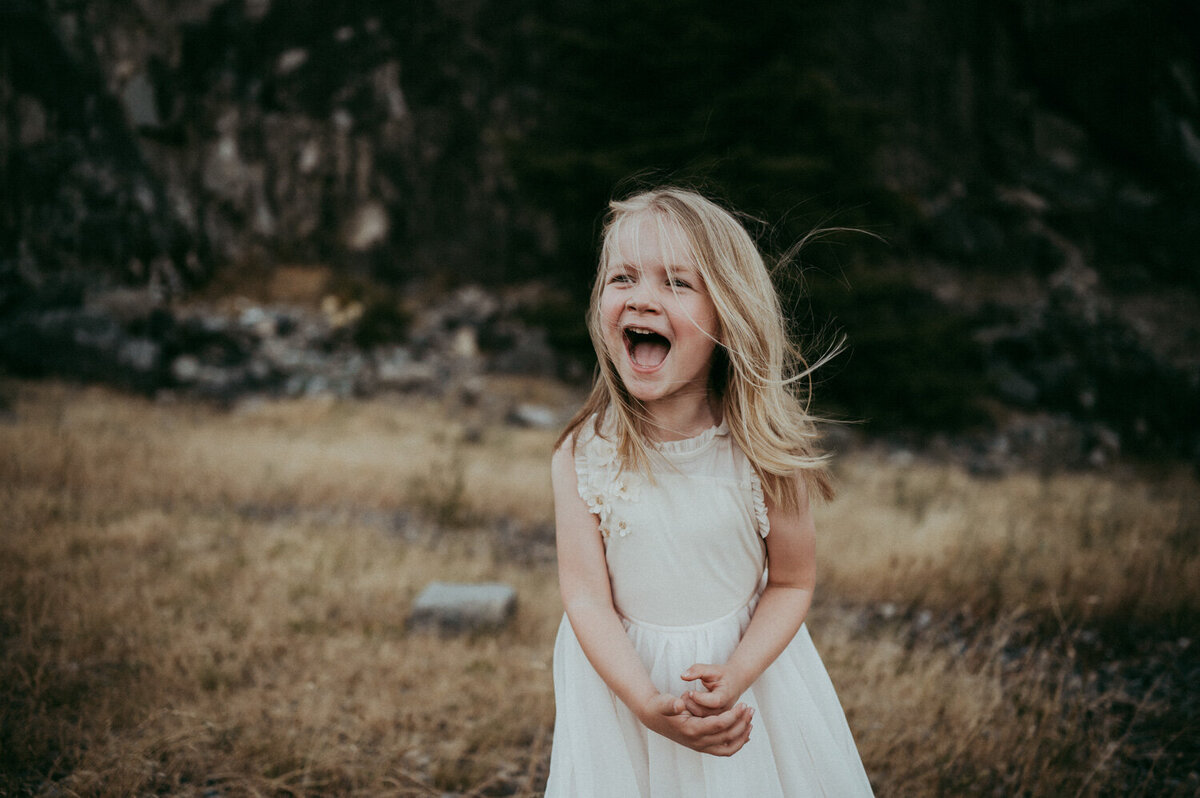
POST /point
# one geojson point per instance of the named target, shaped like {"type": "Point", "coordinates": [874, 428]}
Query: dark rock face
{"type": "Point", "coordinates": [78, 191]}
{"type": "Point", "coordinates": [157, 139]}
{"type": "Point", "coordinates": [152, 141]}
{"type": "Point", "coordinates": [1074, 354]}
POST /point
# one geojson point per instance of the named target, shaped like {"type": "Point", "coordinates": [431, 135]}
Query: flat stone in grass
{"type": "Point", "coordinates": [457, 607]}
{"type": "Point", "coordinates": [533, 416]}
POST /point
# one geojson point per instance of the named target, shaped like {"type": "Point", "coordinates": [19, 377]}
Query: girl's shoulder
{"type": "Point", "coordinates": [586, 443]}
{"type": "Point", "coordinates": [595, 442]}
{"type": "Point", "coordinates": [589, 433]}
{"type": "Point", "coordinates": [574, 451]}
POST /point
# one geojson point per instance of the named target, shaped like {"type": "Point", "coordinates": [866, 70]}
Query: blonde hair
{"type": "Point", "coordinates": [757, 372]}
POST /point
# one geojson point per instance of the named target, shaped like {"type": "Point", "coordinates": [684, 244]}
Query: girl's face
{"type": "Point", "coordinates": [659, 324]}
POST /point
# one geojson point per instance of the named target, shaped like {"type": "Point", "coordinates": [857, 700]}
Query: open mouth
{"type": "Point", "coordinates": [646, 347]}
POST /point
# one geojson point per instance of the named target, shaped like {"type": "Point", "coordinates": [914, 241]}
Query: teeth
{"type": "Point", "coordinates": [641, 330]}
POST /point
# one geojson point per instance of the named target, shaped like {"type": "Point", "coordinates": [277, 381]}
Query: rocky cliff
{"type": "Point", "coordinates": [1034, 166]}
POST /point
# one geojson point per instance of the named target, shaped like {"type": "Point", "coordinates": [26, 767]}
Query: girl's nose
{"type": "Point", "coordinates": [642, 298]}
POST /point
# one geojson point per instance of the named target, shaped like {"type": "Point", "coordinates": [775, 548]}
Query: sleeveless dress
{"type": "Point", "coordinates": [686, 560]}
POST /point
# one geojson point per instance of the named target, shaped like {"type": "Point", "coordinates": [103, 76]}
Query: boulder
{"type": "Point", "coordinates": [459, 607]}
{"type": "Point", "coordinates": [533, 416]}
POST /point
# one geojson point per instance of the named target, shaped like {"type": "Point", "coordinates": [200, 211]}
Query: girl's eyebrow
{"type": "Point", "coordinates": [689, 272]}
{"type": "Point", "coordinates": [676, 270]}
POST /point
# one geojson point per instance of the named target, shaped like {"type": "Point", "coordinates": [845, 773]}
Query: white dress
{"type": "Point", "coordinates": [686, 560]}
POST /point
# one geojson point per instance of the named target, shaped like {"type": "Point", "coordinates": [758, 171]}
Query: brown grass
{"type": "Point", "coordinates": [198, 602]}
{"type": "Point", "coordinates": [1076, 546]}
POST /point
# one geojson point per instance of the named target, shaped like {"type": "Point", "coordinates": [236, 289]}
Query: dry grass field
{"type": "Point", "coordinates": [207, 602]}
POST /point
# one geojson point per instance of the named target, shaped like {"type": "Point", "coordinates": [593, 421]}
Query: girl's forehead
{"type": "Point", "coordinates": [649, 239]}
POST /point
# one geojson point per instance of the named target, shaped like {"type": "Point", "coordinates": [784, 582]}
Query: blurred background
{"type": "Point", "coordinates": [291, 310]}
{"type": "Point", "coordinates": [1034, 169]}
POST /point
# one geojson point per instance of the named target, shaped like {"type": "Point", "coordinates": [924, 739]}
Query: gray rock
{"type": "Point", "coordinates": [186, 368]}
{"type": "Point", "coordinates": [1013, 386]}
{"type": "Point", "coordinates": [31, 121]}
{"type": "Point", "coordinates": [291, 60]}
{"type": "Point", "coordinates": [124, 304]}
{"type": "Point", "coordinates": [528, 353]}
{"type": "Point", "coordinates": [395, 370]}
{"type": "Point", "coordinates": [367, 228]}
{"type": "Point", "coordinates": [140, 105]}
{"type": "Point", "coordinates": [459, 607]}
{"type": "Point", "coordinates": [140, 354]}
{"type": "Point", "coordinates": [534, 416]}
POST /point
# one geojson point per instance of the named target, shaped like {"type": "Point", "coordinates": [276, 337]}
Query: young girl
{"type": "Point", "coordinates": [682, 666]}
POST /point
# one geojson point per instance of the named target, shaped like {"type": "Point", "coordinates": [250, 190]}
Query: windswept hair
{"type": "Point", "coordinates": [758, 376]}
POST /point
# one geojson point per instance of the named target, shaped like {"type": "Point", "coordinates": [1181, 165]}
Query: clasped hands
{"type": "Point", "coordinates": [709, 720]}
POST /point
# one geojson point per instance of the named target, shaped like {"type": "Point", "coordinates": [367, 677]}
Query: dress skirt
{"type": "Point", "coordinates": [800, 745]}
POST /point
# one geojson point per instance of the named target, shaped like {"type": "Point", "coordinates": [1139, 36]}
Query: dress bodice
{"type": "Point", "coordinates": [684, 543]}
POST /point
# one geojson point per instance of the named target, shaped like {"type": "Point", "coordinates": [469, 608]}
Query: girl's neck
{"type": "Point", "coordinates": [683, 418]}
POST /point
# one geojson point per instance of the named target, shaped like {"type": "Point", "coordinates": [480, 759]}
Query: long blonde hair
{"type": "Point", "coordinates": [759, 377]}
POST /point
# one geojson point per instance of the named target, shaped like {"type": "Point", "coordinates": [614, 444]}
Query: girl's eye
{"type": "Point", "coordinates": [620, 278]}
{"type": "Point", "coordinates": [676, 282]}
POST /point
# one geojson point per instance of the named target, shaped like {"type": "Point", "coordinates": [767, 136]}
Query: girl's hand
{"type": "Point", "coordinates": [721, 735]}
{"type": "Point", "coordinates": [721, 690]}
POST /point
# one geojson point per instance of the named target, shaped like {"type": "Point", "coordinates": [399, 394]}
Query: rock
{"type": "Point", "coordinates": [923, 620]}
{"type": "Point", "coordinates": [526, 352]}
{"type": "Point", "coordinates": [258, 320]}
{"type": "Point", "coordinates": [470, 306]}
{"type": "Point", "coordinates": [141, 355]}
{"type": "Point", "coordinates": [459, 607]}
{"type": "Point", "coordinates": [186, 369]}
{"type": "Point", "coordinates": [340, 314]}
{"type": "Point", "coordinates": [76, 342]}
{"type": "Point", "coordinates": [125, 304]}
{"type": "Point", "coordinates": [464, 344]}
{"type": "Point", "coordinates": [140, 105]}
{"type": "Point", "coordinates": [533, 416]}
{"type": "Point", "coordinates": [395, 370]}
{"type": "Point", "coordinates": [1014, 387]}
{"type": "Point", "coordinates": [31, 122]}
{"type": "Point", "coordinates": [291, 60]}
{"type": "Point", "coordinates": [257, 9]}
{"type": "Point", "coordinates": [367, 228]}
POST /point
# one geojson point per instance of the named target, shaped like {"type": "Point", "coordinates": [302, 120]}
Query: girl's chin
{"type": "Point", "coordinates": [649, 391]}
{"type": "Point", "coordinates": [641, 388]}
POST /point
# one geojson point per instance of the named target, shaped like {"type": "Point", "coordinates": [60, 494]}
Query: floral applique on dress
{"type": "Point", "coordinates": [602, 483]}
{"type": "Point", "coordinates": [760, 502]}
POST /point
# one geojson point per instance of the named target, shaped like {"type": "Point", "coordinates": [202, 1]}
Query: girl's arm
{"type": "Point", "coordinates": [791, 577]}
{"type": "Point", "coordinates": [587, 597]}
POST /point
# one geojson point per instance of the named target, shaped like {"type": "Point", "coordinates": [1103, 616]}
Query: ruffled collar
{"type": "Point", "coordinates": [694, 444]}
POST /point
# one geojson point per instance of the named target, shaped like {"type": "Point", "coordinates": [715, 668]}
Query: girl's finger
{"type": "Point", "coordinates": [668, 705]}
{"type": "Point", "coordinates": [700, 711]}
{"type": "Point", "coordinates": [730, 741]}
{"type": "Point", "coordinates": [716, 725]}
{"type": "Point", "coordinates": [699, 671]}
{"type": "Point", "coordinates": [709, 700]}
